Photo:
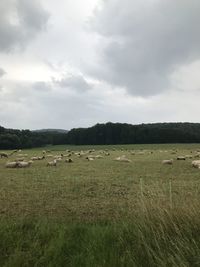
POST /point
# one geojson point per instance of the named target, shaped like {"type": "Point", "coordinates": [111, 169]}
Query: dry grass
{"type": "Point", "coordinates": [102, 189]}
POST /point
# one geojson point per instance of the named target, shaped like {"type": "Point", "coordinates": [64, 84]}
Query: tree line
{"type": "Point", "coordinates": [14, 139]}
{"type": "Point", "coordinates": [104, 134]}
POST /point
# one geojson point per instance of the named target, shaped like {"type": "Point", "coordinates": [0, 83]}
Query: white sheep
{"type": "Point", "coordinates": [23, 164]}
{"type": "Point", "coordinates": [196, 164]}
{"type": "Point", "coordinates": [99, 157]}
{"type": "Point", "coordinates": [52, 163]}
{"type": "Point", "coordinates": [167, 161]}
{"type": "Point", "coordinates": [122, 159]}
{"type": "Point", "coordinates": [13, 164]}
{"type": "Point", "coordinates": [180, 158]}
{"type": "Point", "coordinates": [34, 158]}
{"type": "Point", "coordinates": [90, 158]}
{"type": "Point", "coordinates": [20, 159]}
{"type": "Point", "coordinates": [69, 160]}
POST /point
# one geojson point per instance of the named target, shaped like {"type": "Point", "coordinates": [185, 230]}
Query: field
{"type": "Point", "coordinates": [102, 212]}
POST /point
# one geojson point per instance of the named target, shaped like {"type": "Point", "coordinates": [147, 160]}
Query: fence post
{"type": "Point", "coordinates": [170, 194]}
{"type": "Point", "coordinates": [141, 193]}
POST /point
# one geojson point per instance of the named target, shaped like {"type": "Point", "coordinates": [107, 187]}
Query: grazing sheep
{"type": "Point", "coordinates": [90, 158]}
{"type": "Point", "coordinates": [196, 164]}
{"type": "Point", "coordinates": [38, 158]}
{"type": "Point", "coordinates": [188, 156]}
{"type": "Point", "coordinates": [180, 158]}
{"type": "Point", "coordinates": [69, 160]}
{"type": "Point", "coordinates": [41, 158]}
{"type": "Point", "coordinates": [3, 155]}
{"type": "Point", "coordinates": [34, 158]}
{"type": "Point", "coordinates": [122, 159]}
{"type": "Point", "coordinates": [99, 157]}
{"type": "Point", "coordinates": [167, 161]}
{"type": "Point", "coordinates": [13, 164]}
{"type": "Point", "coordinates": [52, 163]}
{"type": "Point", "coordinates": [49, 155]}
{"type": "Point", "coordinates": [20, 159]}
{"type": "Point", "coordinates": [24, 164]}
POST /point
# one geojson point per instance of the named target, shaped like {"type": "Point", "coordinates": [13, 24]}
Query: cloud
{"type": "Point", "coordinates": [142, 43]}
{"type": "Point", "coordinates": [20, 22]}
{"type": "Point", "coordinates": [74, 82]}
{"type": "Point", "coordinates": [2, 72]}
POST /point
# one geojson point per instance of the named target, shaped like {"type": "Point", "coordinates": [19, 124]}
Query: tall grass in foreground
{"type": "Point", "coordinates": [151, 238]}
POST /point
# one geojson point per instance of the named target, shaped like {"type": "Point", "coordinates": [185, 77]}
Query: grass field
{"type": "Point", "coordinates": [102, 212]}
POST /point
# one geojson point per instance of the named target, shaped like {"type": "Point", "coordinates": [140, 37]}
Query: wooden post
{"type": "Point", "coordinates": [170, 194]}
{"type": "Point", "coordinates": [141, 193]}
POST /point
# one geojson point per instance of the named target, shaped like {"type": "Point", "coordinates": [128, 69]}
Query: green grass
{"type": "Point", "coordinates": [103, 212]}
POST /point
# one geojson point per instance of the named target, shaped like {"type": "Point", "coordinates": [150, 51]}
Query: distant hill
{"type": "Point", "coordinates": [51, 130]}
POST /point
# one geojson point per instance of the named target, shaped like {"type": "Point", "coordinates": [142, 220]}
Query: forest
{"type": "Point", "coordinates": [103, 134]}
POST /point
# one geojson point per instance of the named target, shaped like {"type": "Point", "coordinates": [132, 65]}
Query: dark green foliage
{"type": "Point", "coordinates": [104, 134]}
{"type": "Point", "coordinates": [11, 139]}
{"type": "Point", "coordinates": [117, 133]}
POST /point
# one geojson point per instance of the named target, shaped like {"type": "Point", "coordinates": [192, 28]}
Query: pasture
{"type": "Point", "coordinates": [101, 212]}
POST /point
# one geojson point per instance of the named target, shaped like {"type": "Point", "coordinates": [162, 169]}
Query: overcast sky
{"type": "Point", "coordinates": [74, 63]}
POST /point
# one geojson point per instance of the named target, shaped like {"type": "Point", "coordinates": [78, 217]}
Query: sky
{"type": "Point", "coordinates": [73, 63]}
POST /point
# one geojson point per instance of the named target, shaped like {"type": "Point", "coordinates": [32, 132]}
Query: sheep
{"type": "Point", "coordinates": [180, 158]}
{"type": "Point", "coordinates": [13, 164]}
{"type": "Point", "coordinates": [20, 159]}
{"type": "Point", "coordinates": [41, 158]}
{"type": "Point", "coordinates": [34, 158]}
{"type": "Point", "coordinates": [38, 158]}
{"type": "Point", "coordinates": [49, 155]}
{"type": "Point", "coordinates": [196, 164]}
{"type": "Point", "coordinates": [188, 156]}
{"type": "Point", "coordinates": [90, 158]}
{"type": "Point", "coordinates": [69, 160]}
{"type": "Point", "coordinates": [167, 161]}
{"type": "Point", "coordinates": [23, 164]}
{"type": "Point", "coordinates": [3, 155]}
{"type": "Point", "coordinates": [52, 163]}
{"type": "Point", "coordinates": [98, 157]}
{"type": "Point", "coordinates": [122, 159]}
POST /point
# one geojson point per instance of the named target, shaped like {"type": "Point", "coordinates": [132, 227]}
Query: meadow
{"type": "Point", "coordinates": [102, 212]}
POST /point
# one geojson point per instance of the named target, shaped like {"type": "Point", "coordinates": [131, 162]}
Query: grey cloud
{"type": "Point", "coordinates": [144, 42]}
{"type": "Point", "coordinates": [41, 86]}
{"type": "Point", "coordinates": [75, 82]}
{"type": "Point", "coordinates": [20, 22]}
{"type": "Point", "coordinates": [2, 72]}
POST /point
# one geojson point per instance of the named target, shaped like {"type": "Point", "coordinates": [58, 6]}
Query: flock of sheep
{"type": "Point", "coordinates": [22, 161]}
